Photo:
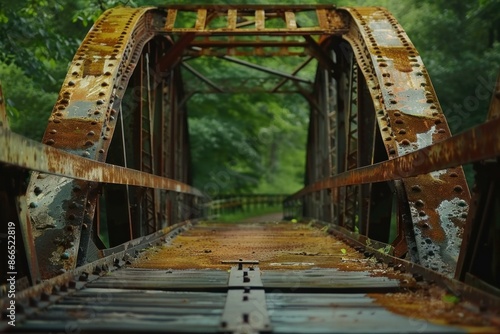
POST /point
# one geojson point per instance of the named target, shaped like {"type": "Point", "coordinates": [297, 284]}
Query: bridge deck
{"type": "Point", "coordinates": [276, 245]}
{"type": "Point", "coordinates": [306, 282]}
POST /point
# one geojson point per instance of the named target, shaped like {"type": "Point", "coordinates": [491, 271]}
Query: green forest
{"type": "Point", "coordinates": [250, 143]}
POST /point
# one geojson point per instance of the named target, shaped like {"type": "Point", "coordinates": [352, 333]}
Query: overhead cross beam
{"type": "Point", "coordinates": [297, 70]}
{"type": "Point", "coordinates": [202, 78]}
{"type": "Point", "coordinates": [265, 69]}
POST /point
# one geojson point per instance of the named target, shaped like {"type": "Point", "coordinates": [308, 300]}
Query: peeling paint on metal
{"type": "Point", "coordinates": [429, 248]}
{"type": "Point", "coordinates": [448, 212]}
{"type": "Point", "coordinates": [423, 140]}
{"type": "Point", "coordinates": [408, 115]}
{"type": "Point", "coordinates": [437, 174]}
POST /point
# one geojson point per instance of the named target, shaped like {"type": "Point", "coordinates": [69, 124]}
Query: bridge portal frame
{"type": "Point", "coordinates": [373, 113]}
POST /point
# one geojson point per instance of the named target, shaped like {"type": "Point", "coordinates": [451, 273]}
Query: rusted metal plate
{"type": "Point", "coordinates": [322, 15]}
{"type": "Point", "coordinates": [473, 145]}
{"type": "Point", "coordinates": [260, 18]}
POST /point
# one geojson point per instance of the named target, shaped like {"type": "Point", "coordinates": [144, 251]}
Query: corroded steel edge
{"type": "Point", "coordinates": [458, 288]}
{"type": "Point", "coordinates": [52, 286]}
{"type": "Point", "coordinates": [28, 154]}
{"type": "Point", "coordinates": [409, 118]}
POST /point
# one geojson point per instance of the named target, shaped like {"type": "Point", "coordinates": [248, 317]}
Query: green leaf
{"type": "Point", "coordinates": [385, 249]}
{"type": "Point", "coordinates": [452, 299]}
{"type": "Point", "coordinates": [343, 250]}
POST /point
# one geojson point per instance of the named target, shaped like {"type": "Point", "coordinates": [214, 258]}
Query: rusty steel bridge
{"type": "Point", "coordinates": [115, 159]}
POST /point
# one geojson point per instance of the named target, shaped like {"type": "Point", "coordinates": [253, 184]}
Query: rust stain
{"type": "Point", "coordinates": [367, 11]}
{"type": "Point", "coordinates": [432, 200]}
{"type": "Point", "coordinates": [416, 132]}
{"type": "Point", "coordinates": [431, 228]}
{"type": "Point", "coordinates": [72, 133]}
{"type": "Point", "coordinates": [399, 56]}
{"type": "Point", "coordinates": [407, 126]}
{"type": "Point", "coordinates": [92, 67]}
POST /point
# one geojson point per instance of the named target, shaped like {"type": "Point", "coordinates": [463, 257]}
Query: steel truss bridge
{"type": "Point", "coordinates": [115, 161]}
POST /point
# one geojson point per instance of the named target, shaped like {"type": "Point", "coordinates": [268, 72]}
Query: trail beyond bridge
{"type": "Point", "coordinates": [102, 230]}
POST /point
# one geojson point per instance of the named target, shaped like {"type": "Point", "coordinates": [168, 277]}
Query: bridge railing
{"type": "Point", "coordinates": [182, 201]}
{"type": "Point", "coordinates": [232, 203]}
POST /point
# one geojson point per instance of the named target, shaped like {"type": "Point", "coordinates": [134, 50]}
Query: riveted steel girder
{"type": "Point", "coordinates": [83, 123]}
{"type": "Point", "coordinates": [410, 118]}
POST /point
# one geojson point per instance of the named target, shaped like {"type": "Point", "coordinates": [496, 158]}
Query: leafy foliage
{"type": "Point", "coordinates": [28, 106]}
{"type": "Point", "coordinates": [246, 139]}
{"type": "Point", "coordinates": [33, 37]}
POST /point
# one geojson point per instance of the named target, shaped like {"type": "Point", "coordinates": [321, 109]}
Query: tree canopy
{"type": "Point", "coordinates": [248, 142]}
